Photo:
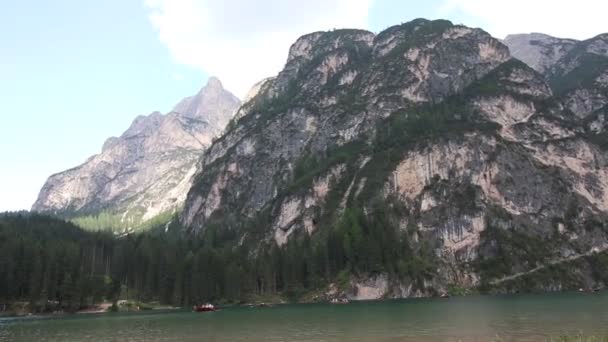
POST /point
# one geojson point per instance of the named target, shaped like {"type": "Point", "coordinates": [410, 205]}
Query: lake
{"type": "Point", "coordinates": [476, 318]}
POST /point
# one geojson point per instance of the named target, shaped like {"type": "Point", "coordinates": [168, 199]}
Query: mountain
{"type": "Point", "coordinates": [539, 51]}
{"type": "Point", "coordinates": [578, 76]}
{"type": "Point", "coordinates": [415, 162]}
{"type": "Point", "coordinates": [147, 170]}
{"type": "Point", "coordinates": [576, 70]}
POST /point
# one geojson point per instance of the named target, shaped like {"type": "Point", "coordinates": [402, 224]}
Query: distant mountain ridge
{"type": "Point", "coordinates": [538, 50]}
{"type": "Point", "coordinates": [147, 170]}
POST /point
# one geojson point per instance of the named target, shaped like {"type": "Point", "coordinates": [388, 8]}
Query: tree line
{"type": "Point", "coordinates": [54, 264]}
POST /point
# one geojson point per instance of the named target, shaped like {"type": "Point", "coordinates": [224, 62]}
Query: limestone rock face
{"type": "Point", "coordinates": [539, 51]}
{"type": "Point", "coordinates": [338, 84]}
{"type": "Point", "coordinates": [482, 161]}
{"type": "Point", "coordinates": [576, 70]}
{"type": "Point", "coordinates": [581, 77]}
{"type": "Point", "coordinates": [148, 169]}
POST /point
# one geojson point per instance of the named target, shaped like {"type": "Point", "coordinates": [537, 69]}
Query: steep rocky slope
{"type": "Point", "coordinates": [580, 78]}
{"type": "Point", "coordinates": [576, 70]}
{"type": "Point", "coordinates": [539, 51]}
{"type": "Point", "coordinates": [430, 131]}
{"type": "Point", "coordinates": [147, 170]}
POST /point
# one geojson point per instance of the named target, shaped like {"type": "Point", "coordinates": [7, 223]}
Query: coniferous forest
{"type": "Point", "coordinates": [55, 265]}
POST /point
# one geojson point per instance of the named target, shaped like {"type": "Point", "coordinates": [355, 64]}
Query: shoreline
{"type": "Point", "coordinates": [104, 308]}
{"type": "Point", "coordinates": [99, 308]}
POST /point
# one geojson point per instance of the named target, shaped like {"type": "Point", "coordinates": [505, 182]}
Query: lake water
{"type": "Point", "coordinates": [477, 318]}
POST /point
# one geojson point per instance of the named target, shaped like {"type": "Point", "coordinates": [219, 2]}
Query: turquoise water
{"type": "Point", "coordinates": [478, 318]}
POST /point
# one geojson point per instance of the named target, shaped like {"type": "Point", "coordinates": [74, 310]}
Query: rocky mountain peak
{"type": "Point", "coordinates": [144, 124]}
{"type": "Point", "coordinates": [212, 105]}
{"type": "Point", "coordinates": [335, 87]}
{"type": "Point", "coordinates": [314, 44]}
{"type": "Point", "coordinates": [538, 50]}
{"type": "Point", "coordinates": [577, 71]}
{"type": "Point", "coordinates": [425, 47]}
{"type": "Point", "coordinates": [147, 170]}
{"type": "Point", "coordinates": [430, 133]}
{"type": "Point", "coordinates": [598, 45]}
{"type": "Point", "coordinates": [214, 84]}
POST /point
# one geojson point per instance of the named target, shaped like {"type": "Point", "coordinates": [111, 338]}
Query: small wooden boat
{"type": "Point", "coordinates": [204, 308]}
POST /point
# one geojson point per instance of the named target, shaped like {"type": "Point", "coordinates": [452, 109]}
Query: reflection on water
{"type": "Point", "coordinates": [505, 318]}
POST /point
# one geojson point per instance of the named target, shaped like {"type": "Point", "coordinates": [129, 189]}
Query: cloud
{"type": "Point", "coordinates": [243, 41]}
{"type": "Point", "coordinates": [579, 19]}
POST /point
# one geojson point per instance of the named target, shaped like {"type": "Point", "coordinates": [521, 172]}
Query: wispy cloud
{"type": "Point", "coordinates": [579, 19]}
{"type": "Point", "coordinates": [243, 41]}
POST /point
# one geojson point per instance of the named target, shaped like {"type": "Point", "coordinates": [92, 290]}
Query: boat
{"type": "Point", "coordinates": [204, 308]}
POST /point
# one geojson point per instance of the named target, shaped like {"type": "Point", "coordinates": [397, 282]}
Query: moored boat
{"type": "Point", "coordinates": [204, 308]}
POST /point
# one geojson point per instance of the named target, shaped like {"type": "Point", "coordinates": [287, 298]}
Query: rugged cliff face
{"type": "Point", "coordinates": [146, 171]}
{"type": "Point", "coordinates": [335, 87]}
{"type": "Point", "coordinates": [576, 70]}
{"type": "Point", "coordinates": [435, 134]}
{"type": "Point", "coordinates": [539, 51]}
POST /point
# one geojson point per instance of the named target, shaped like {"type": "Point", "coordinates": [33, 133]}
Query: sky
{"type": "Point", "coordinates": [76, 72]}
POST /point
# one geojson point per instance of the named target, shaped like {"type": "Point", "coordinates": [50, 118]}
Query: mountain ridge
{"type": "Point", "coordinates": [145, 171]}
{"type": "Point", "coordinates": [425, 158]}
{"type": "Point", "coordinates": [421, 158]}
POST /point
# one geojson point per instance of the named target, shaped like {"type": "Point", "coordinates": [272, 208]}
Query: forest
{"type": "Point", "coordinates": [52, 264]}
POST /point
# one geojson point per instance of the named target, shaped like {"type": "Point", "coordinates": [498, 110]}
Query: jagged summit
{"type": "Point", "coordinates": [210, 104]}
{"type": "Point", "coordinates": [214, 83]}
{"type": "Point", "coordinates": [576, 70]}
{"type": "Point", "coordinates": [535, 36]}
{"type": "Point", "coordinates": [147, 170]}
{"type": "Point", "coordinates": [538, 50]}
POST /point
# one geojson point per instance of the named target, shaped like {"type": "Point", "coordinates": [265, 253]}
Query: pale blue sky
{"type": "Point", "coordinates": [75, 72]}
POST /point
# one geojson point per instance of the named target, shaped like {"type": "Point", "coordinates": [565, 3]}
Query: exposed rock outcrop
{"type": "Point", "coordinates": [148, 169]}
{"type": "Point", "coordinates": [576, 70]}
{"type": "Point", "coordinates": [539, 51]}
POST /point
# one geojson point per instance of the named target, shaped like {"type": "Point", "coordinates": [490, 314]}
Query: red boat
{"type": "Point", "coordinates": [204, 308]}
